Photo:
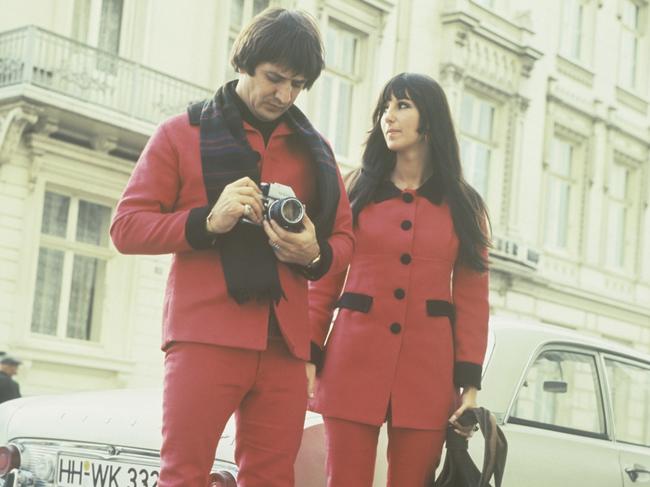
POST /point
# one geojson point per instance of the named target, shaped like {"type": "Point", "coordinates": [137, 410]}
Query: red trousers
{"type": "Point", "coordinates": [204, 385]}
{"type": "Point", "coordinates": [413, 455]}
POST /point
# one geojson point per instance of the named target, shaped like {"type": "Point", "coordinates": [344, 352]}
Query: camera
{"type": "Point", "coordinates": [282, 206]}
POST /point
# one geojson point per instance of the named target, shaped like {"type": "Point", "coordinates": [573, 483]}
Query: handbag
{"type": "Point", "coordinates": [459, 469]}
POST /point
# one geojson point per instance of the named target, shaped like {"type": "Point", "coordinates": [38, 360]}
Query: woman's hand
{"type": "Point", "coordinates": [468, 401]}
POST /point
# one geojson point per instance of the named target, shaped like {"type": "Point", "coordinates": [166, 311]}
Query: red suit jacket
{"type": "Point", "coordinates": [151, 218]}
{"type": "Point", "coordinates": [391, 342]}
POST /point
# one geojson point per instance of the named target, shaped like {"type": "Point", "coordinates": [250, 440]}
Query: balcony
{"type": "Point", "coordinates": [58, 71]}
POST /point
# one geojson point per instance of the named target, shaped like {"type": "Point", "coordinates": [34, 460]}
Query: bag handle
{"type": "Point", "coordinates": [496, 448]}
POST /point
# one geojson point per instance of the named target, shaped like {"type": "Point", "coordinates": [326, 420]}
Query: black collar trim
{"type": "Point", "coordinates": [431, 190]}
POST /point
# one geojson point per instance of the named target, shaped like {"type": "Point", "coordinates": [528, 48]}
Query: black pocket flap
{"type": "Point", "coordinates": [355, 301]}
{"type": "Point", "coordinates": [436, 307]}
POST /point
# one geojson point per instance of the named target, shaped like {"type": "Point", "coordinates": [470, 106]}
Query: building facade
{"type": "Point", "coordinates": [551, 108]}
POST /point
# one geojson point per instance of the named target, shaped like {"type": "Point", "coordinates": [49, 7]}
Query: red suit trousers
{"type": "Point", "coordinates": [413, 455]}
{"type": "Point", "coordinates": [204, 384]}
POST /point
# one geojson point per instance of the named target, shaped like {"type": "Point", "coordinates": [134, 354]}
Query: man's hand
{"type": "Point", "coordinates": [293, 248]}
{"type": "Point", "coordinates": [311, 378]}
{"type": "Point", "coordinates": [241, 198]}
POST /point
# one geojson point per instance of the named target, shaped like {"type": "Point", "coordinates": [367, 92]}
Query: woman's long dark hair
{"type": "Point", "coordinates": [468, 211]}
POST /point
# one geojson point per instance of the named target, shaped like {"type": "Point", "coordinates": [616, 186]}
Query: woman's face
{"type": "Point", "coordinates": [399, 124]}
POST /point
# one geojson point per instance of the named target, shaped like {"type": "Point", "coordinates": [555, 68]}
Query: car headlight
{"type": "Point", "coordinates": [224, 474]}
{"type": "Point", "coordinates": [222, 478]}
{"type": "Point", "coordinates": [39, 460]}
{"type": "Point", "coordinates": [41, 464]}
{"type": "Point", "coordinates": [9, 459]}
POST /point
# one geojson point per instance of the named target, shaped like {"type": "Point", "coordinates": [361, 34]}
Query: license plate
{"type": "Point", "coordinates": [73, 471]}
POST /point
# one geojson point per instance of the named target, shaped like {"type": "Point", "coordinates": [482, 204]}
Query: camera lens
{"type": "Point", "coordinates": [287, 212]}
{"type": "Point", "coordinates": [292, 210]}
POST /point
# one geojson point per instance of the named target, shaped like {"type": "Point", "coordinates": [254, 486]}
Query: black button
{"type": "Point", "coordinates": [405, 259]}
{"type": "Point", "coordinates": [395, 328]}
{"type": "Point", "coordinates": [406, 225]}
{"type": "Point", "coordinates": [399, 293]}
{"type": "Point", "coordinates": [407, 197]}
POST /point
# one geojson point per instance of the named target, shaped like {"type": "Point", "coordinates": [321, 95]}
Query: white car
{"type": "Point", "coordinates": [112, 439]}
{"type": "Point", "coordinates": [575, 411]}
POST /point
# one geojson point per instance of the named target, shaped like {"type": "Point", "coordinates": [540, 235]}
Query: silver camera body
{"type": "Point", "coordinates": [282, 206]}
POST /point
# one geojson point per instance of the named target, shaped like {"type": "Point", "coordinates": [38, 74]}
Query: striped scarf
{"type": "Point", "coordinates": [248, 262]}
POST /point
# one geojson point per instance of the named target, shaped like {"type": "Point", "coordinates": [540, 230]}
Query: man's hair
{"type": "Point", "coordinates": [289, 38]}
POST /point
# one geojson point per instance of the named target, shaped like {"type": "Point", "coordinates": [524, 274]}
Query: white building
{"type": "Point", "coordinates": [551, 103]}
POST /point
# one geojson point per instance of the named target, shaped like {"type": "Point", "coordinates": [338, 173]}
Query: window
{"type": "Point", "coordinates": [629, 388]}
{"type": "Point", "coordinates": [110, 25]}
{"type": "Point", "coordinates": [630, 41]}
{"type": "Point", "coordinates": [477, 140]}
{"type": "Point", "coordinates": [342, 46]}
{"type": "Point", "coordinates": [558, 197]}
{"type": "Point", "coordinates": [98, 23]}
{"type": "Point", "coordinates": [572, 29]}
{"type": "Point", "coordinates": [71, 266]}
{"type": "Point", "coordinates": [618, 210]}
{"type": "Point", "coordinates": [561, 392]}
{"type": "Point", "coordinates": [241, 13]}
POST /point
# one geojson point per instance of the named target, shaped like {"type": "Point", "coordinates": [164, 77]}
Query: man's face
{"type": "Point", "coordinates": [10, 370]}
{"type": "Point", "coordinates": [270, 91]}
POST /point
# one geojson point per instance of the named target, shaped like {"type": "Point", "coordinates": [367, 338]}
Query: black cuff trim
{"type": "Point", "coordinates": [436, 307]}
{"type": "Point", "coordinates": [323, 266]}
{"type": "Point", "coordinates": [467, 374]}
{"type": "Point", "coordinates": [316, 356]}
{"type": "Point", "coordinates": [195, 232]}
{"type": "Point", "coordinates": [355, 302]}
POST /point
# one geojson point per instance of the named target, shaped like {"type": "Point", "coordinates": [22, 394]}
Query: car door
{"type": "Point", "coordinates": [556, 426]}
{"type": "Point", "coordinates": [628, 382]}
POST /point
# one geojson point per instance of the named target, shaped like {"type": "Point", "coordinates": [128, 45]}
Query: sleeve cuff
{"type": "Point", "coordinates": [316, 356]}
{"type": "Point", "coordinates": [467, 374]}
{"type": "Point", "coordinates": [195, 232]}
{"type": "Point", "coordinates": [323, 266]}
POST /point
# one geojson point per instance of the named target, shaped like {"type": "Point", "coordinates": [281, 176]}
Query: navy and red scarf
{"type": "Point", "coordinates": [248, 262]}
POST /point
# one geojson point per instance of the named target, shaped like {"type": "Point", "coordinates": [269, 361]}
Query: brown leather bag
{"type": "Point", "coordinates": [459, 469]}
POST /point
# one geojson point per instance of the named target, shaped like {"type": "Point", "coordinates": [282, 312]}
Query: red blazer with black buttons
{"type": "Point", "coordinates": [165, 202]}
{"type": "Point", "coordinates": [412, 323]}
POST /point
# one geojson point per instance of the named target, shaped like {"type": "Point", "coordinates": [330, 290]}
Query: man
{"type": "Point", "coordinates": [236, 329]}
{"type": "Point", "coordinates": [9, 388]}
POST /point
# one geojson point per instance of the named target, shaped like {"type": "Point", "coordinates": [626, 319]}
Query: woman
{"type": "Point", "coordinates": [413, 306]}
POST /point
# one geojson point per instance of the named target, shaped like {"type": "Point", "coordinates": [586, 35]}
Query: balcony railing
{"type": "Point", "coordinates": [33, 56]}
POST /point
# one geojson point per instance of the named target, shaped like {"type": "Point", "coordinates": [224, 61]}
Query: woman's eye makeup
{"type": "Point", "coordinates": [400, 104]}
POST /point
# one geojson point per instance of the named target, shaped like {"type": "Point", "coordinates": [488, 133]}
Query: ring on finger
{"type": "Point", "coordinates": [247, 209]}
{"type": "Point", "coordinates": [275, 245]}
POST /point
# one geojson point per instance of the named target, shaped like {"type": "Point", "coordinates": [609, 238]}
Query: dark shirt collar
{"type": "Point", "coordinates": [431, 190]}
{"type": "Point", "coordinates": [265, 128]}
